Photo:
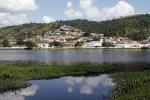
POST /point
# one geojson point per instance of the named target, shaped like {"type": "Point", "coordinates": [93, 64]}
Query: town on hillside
{"type": "Point", "coordinates": [70, 37]}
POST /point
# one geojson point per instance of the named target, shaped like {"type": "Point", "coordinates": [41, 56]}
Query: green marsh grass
{"type": "Point", "coordinates": [132, 85]}
{"type": "Point", "coordinates": [16, 76]}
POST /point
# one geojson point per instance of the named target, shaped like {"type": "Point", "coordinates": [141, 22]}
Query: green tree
{"type": "Point", "coordinates": [5, 43]}
{"type": "Point", "coordinates": [56, 44]}
{"type": "Point", "coordinates": [138, 36]}
{"type": "Point", "coordinates": [86, 35]}
{"type": "Point", "coordinates": [30, 44]}
{"type": "Point", "coordinates": [19, 40]}
{"type": "Point", "coordinates": [78, 44]}
{"type": "Point", "coordinates": [96, 38]}
{"type": "Point", "coordinates": [107, 44]}
{"type": "Point", "coordinates": [124, 26]}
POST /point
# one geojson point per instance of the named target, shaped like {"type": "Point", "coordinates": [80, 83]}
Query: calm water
{"type": "Point", "coordinates": [67, 56]}
{"type": "Point", "coordinates": [66, 88]}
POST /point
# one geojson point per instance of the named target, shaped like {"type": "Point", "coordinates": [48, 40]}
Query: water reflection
{"type": "Point", "coordinates": [89, 84]}
{"type": "Point", "coordinates": [19, 95]}
{"type": "Point", "coordinates": [67, 56]}
{"type": "Point", "coordinates": [66, 88]}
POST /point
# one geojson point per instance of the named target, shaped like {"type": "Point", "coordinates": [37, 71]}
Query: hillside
{"type": "Point", "coordinates": [22, 31]}
{"type": "Point", "coordinates": [135, 27]}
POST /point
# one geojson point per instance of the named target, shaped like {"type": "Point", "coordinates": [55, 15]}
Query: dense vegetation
{"type": "Point", "coordinates": [135, 27]}
{"type": "Point", "coordinates": [133, 85]}
{"type": "Point", "coordinates": [27, 29]}
{"type": "Point", "coordinates": [55, 44]}
{"type": "Point", "coordinates": [107, 44]}
{"type": "Point", "coordinates": [78, 44]}
{"type": "Point", "coordinates": [21, 32]}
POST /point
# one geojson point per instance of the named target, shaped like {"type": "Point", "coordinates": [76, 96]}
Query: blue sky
{"type": "Point", "coordinates": [21, 11]}
{"type": "Point", "coordinates": [56, 8]}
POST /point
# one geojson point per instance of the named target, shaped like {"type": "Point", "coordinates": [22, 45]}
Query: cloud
{"type": "Point", "coordinates": [70, 89]}
{"type": "Point", "coordinates": [121, 9]}
{"type": "Point", "coordinates": [17, 6]}
{"type": "Point", "coordinates": [89, 11]}
{"type": "Point", "coordinates": [29, 91]}
{"type": "Point", "coordinates": [7, 19]}
{"type": "Point", "coordinates": [72, 80]}
{"type": "Point", "coordinates": [71, 13]}
{"type": "Point", "coordinates": [10, 97]}
{"type": "Point", "coordinates": [19, 95]}
{"type": "Point", "coordinates": [12, 12]}
{"type": "Point", "coordinates": [92, 83]}
{"type": "Point", "coordinates": [85, 89]}
{"type": "Point", "coordinates": [86, 4]}
{"type": "Point", "coordinates": [48, 19]}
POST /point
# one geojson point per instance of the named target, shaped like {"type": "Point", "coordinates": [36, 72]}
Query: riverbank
{"type": "Point", "coordinates": [23, 48]}
{"type": "Point", "coordinates": [132, 85]}
{"type": "Point", "coordinates": [14, 76]}
{"type": "Point", "coordinates": [130, 77]}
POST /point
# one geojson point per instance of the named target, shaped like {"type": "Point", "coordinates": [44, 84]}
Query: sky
{"type": "Point", "coordinates": [14, 12]}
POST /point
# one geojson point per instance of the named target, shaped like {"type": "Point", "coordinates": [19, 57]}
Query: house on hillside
{"type": "Point", "coordinates": [43, 45]}
{"type": "Point", "coordinates": [129, 45]}
{"type": "Point", "coordinates": [93, 44]}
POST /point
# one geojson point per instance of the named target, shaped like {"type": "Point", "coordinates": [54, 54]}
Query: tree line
{"type": "Point", "coordinates": [136, 27]}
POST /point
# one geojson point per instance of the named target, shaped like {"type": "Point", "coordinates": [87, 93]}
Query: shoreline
{"type": "Point", "coordinates": [69, 48]}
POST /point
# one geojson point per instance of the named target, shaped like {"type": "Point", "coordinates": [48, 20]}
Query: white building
{"type": "Point", "coordinates": [129, 45]}
{"type": "Point", "coordinates": [43, 45]}
{"type": "Point", "coordinates": [93, 44]}
{"type": "Point", "coordinates": [147, 45]}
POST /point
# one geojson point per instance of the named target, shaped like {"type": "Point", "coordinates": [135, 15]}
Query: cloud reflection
{"type": "Point", "coordinates": [70, 89]}
{"type": "Point", "coordinates": [88, 85]}
{"type": "Point", "coordinates": [19, 95]}
{"type": "Point", "coordinates": [86, 89]}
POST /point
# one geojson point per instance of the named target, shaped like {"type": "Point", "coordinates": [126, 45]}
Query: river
{"type": "Point", "coordinates": [68, 56]}
{"type": "Point", "coordinates": [65, 88]}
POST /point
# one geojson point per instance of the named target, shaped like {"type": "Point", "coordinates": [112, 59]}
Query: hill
{"type": "Point", "coordinates": [22, 31]}
{"type": "Point", "coordinates": [135, 27]}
